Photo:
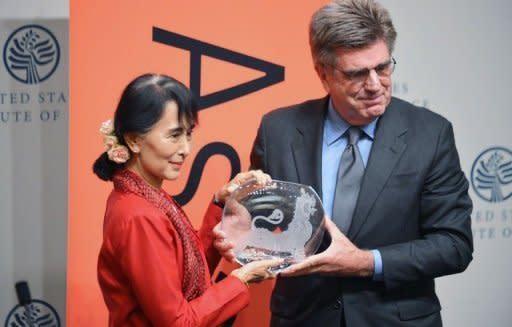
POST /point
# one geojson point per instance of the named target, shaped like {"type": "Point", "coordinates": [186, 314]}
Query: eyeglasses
{"type": "Point", "coordinates": [383, 70]}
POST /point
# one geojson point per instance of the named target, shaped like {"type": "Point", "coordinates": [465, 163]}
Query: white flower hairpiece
{"type": "Point", "coordinates": [107, 127]}
{"type": "Point", "coordinates": [116, 152]}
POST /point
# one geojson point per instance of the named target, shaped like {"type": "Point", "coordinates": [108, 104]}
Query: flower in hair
{"type": "Point", "coordinates": [109, 141]}
{"type": "Point", "coordinates": [116, 152]}
{"type": "Point", "coordinates": [107, 127]}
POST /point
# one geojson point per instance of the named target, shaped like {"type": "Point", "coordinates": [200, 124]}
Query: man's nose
{"type": "Point", "coordinates": [372, 82]}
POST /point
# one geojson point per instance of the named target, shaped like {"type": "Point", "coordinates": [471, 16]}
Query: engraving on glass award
{"type": "Point", "coordinates": [277, 220]}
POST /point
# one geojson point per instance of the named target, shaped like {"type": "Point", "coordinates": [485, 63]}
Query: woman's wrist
{"type": "Point", "coordinates": [217, 202]}
{"type": "Point", "coordinates": [240, 275]}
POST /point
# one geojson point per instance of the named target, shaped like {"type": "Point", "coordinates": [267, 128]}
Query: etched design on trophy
{"type": "Point", "coordinates": [277, 220]}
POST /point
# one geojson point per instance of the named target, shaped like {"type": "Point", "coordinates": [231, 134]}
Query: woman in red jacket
{"type": "Point", "coordinates": [154, 268]}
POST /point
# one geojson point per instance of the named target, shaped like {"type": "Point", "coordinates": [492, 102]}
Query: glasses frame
{"type": "Point", "coordinates": [361, 75]}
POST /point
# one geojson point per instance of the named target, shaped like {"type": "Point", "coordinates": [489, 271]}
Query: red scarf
{"type": "Point", "coordinates": [193, 283]}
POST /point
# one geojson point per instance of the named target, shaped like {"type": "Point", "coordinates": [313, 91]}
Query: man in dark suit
{"type": "Point", "coordinates": [409, 220]}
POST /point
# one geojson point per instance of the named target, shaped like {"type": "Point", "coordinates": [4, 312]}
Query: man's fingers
{"type": "Point", "coordinates": [305, 267]}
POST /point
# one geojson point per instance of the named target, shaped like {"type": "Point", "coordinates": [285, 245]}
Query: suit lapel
{"type": "Point", "coordinates": [307, 145]}
{"type": "Point", "coordinates": [387, 149]}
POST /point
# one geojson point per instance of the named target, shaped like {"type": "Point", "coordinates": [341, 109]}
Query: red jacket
{"type": "Point", "coordinates": [140, 269]}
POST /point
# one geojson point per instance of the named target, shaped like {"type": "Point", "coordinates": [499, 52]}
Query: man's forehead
{"type": "Point", "coordinates": [368, 56]}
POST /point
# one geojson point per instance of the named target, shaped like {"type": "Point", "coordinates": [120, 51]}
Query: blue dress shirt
{"type": "Point", "coordinates": [333, 145]}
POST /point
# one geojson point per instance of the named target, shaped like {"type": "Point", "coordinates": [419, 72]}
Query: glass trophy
{"type": "Point", "coordinates": [276, 220]}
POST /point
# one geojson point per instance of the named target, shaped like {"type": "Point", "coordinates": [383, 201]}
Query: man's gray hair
{"type": "Point", "coordinates": [348, 24]}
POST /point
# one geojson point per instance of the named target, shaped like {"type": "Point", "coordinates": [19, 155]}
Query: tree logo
{"type": "Point", "coordinates": [38, 313]}
{"type": "Point", "coordinates": [31, 54]}
{"type": "Point", "coordinates": [491, 175]}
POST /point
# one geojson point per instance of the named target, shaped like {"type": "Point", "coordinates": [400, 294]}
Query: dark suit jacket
{"type": "Point", "coordinates": [413, 207]}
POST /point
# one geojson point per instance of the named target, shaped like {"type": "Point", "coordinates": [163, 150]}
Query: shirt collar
{"type": "Point", "coordinates": [336, 126]}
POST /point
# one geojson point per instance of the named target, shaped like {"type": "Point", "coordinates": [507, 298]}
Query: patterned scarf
{"type": "Point", "coordinates": [193, 283]}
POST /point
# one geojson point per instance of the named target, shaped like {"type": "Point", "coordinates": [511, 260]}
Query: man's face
{"type": "Point", "coordinates": [360, 82]}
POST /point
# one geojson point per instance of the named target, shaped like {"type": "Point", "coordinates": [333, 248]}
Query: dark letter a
{"type": "Point", "coordinates": [273, 73]}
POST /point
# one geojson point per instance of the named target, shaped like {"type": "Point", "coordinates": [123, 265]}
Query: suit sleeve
{"type": "Point", "coordinates": [258, 149]}
{"type": "Point", "coordinates": [150, 258]}
{"type": "Point", "coordinates": [211, 218]}
{"type": "Point", "coordinates": [446, 242]}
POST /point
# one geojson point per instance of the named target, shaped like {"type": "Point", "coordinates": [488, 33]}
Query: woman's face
{"type": "Point", "coordinates": [160, 153]}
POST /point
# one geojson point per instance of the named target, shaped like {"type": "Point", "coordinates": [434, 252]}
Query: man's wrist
{"type": "Point", "coordinates": [369, 264]}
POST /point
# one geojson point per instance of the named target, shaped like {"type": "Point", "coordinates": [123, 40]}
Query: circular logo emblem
{"type": "Point", "coordinates": [38, 313]}
{"type": "Point", "coordinates": [491, 175]}
{"type": "Point", "coordinates": [31, 54]}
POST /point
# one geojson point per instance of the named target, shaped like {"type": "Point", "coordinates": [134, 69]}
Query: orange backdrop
{"type": "Point", "coordinates": [111, 43]}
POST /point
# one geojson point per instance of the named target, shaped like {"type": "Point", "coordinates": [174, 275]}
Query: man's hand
{"type": "Point", "coordinates": [342, 258]}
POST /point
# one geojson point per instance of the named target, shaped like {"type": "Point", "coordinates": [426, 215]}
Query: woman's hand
{"type": "Point", "coordinates": [226, 190]}
{"type": "Point", "coordinates": [223, 246]}
{"type": "Point", "coordinates": [256, 271]}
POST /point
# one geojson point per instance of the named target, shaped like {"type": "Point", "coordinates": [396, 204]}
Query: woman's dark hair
{"type": "Point", "coordinates": [141, 106]}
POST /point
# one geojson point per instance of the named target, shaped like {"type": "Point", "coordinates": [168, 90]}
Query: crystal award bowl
{"type": "Point", "coordinates": [277, 220]}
